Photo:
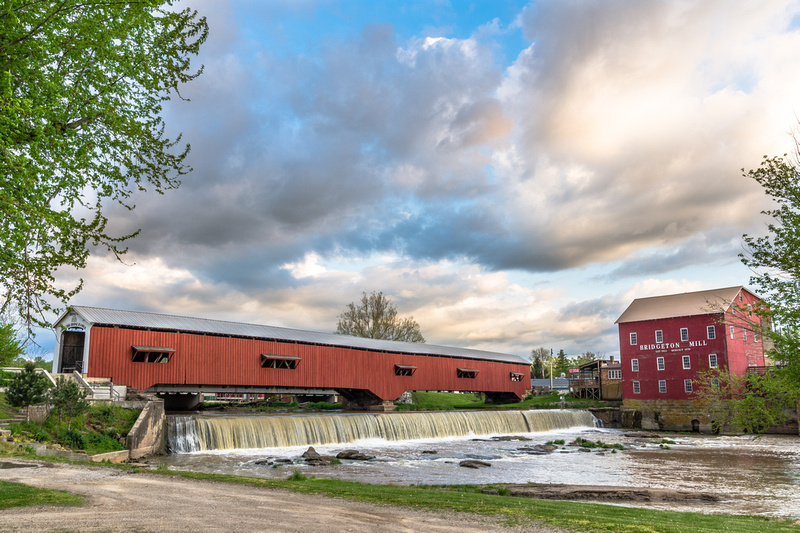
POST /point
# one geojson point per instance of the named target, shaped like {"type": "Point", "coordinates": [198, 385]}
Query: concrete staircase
{"type": "Point", "coordinates": [17, 418]}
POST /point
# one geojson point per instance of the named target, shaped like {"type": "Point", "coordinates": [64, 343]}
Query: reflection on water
{"type": "Point", "coordinates": [756, 475]}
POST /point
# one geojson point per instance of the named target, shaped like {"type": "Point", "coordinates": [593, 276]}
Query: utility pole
{"type": "Point", "coordinates": [551, 370]}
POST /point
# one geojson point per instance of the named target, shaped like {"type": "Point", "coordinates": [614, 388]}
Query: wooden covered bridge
{"type": "Point", "coordinates": [167, 354]}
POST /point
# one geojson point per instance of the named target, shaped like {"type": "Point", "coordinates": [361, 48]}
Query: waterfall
{"type": "Point", "coordinates": [200, 433]}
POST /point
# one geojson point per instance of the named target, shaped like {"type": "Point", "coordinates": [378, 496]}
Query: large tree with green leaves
{"type": "Point", "coordinates": [375, 317]}
{"type": "Point", "coordinates": [775, 259]}
{"type": "Point", "coordinates": [82, 84]}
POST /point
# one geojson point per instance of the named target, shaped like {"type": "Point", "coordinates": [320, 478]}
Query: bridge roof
{"type": "Point", "coordinates": [138, 319]}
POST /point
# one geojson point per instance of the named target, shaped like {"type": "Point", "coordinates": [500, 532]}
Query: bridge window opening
{"type": "Point", "coordinates": [516, 376]}
{"type": "Point", "coordinates": [151, 354]}
{"type": "Point", "coordinates": [467, 373]}
{"type": "Point", "coordinates": [279, 361]}
{"type": "Point", "coordinates": [404, 370]}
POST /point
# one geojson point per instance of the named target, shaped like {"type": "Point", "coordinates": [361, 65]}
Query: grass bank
{"type": "Point", "coordinates": [19, 495]}
{"type": "Point", "coordinates": [508, 510]}
{"type": "Point", "coordinates": [503, 509]}
{"type": "Point", "coordinates": [444, 401]}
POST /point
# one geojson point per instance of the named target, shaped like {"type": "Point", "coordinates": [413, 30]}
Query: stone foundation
{"type": "Point", "coordinates": [685, 415]}
{"type": "Point", "coordinates": [665, 415]}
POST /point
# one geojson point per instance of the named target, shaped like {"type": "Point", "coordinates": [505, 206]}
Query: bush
{"type": "Point", "coordinates": [74, 440]}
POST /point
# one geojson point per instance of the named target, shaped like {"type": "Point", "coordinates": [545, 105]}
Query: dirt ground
{"type": "Point", "coordinates": [120, 501]}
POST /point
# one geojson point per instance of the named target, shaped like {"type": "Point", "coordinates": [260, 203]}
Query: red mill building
{"type": "Point", "coordinates": [666, 341]}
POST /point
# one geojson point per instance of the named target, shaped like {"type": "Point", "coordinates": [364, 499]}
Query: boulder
{"type": "Point", "coordinates": [354, 455]}
{"type": "Point", "coordinates": [474, 463]}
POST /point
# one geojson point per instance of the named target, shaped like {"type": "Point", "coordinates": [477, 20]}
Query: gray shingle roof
{"type": "Point", "coordinates": [139, 319]}
{"type": "Point", "coordinates": [676, 305]}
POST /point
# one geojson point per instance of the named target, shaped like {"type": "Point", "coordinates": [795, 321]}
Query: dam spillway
{"type": "Point", "coordinates": [186, 434]}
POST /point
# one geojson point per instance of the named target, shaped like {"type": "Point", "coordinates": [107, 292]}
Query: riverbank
{"type": "Point", "coordinates": [135, 499]}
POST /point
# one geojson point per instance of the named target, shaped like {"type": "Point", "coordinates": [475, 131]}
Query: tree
{"type": "Point", "coordinates": [27, 388]}
{"type": "Point", "coordinates": [540, 363]}
{"type": "Point", "coordinates": [750, 402]}
{"type": "Point", "coordinates": [585, 357]}
{"type": "Point", "coordinates": [376, 318]}
{"type": "Point", "coordinates": [561, 364]}
{"type": "Point", "coordinates": [775, 260]}
{"type": "Point", "coordinates": [10, 345]}
{"type": "Point", "coordinates": [82, 83]}
{"type": "Point", "coordinates": [69, 399]}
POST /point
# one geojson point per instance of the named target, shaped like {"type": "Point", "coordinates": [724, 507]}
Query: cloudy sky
{"type": "Point", "coordinates": [510, 174]}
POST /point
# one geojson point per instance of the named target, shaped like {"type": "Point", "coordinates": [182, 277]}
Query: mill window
{"type": "Point", "coordinates": [687, 385]}
{"type": "Point", "coordinates": [634, 365]}
{"type": "Point", "coordinates": [711, 333]}
{"type": "Point", "coordinates": [662, 385]}
{"type": "Point", "coordinates": [687, 362]}
{"type": "Point", "coordinates": [659, 336]}
{"type": "Point", "coordinates": [615, 374]}
{"type": "Point", "coordinates": [660, 363]}
{"type": "Point", "coordinates": [633, 339]}
{"type": "Point", "coordinates": [712, 360]}
{"type": "Point", "coordinates": [636, 388]}
{"type": "Point", "coordinates": [684, 334]}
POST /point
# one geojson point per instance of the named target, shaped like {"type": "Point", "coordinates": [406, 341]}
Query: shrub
{"type": "Point", "coordinates": [74, 440]}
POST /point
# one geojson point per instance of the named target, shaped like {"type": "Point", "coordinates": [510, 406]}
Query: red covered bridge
{"type": "Point", "coordinates": [175, 354]}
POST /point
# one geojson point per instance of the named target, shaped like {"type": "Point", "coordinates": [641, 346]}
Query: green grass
{"type": "Point", "coordinates": [99, 430]}
{"type": "Point", "coordinates": [430, 401]}
{"type": "Point", "coordinates": [6, 411]}
{"type": "Point", "coordinates": [19, 495]}
{"type": "Point", "coordinates": [509, 510]}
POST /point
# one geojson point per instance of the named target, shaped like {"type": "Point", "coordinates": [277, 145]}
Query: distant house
{"type": "Point", "coordinates": [597, 380]}
{"type": "Point", "coordinates": [559, 384]}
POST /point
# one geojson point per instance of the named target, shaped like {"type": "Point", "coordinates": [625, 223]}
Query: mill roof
{"type": "Point", "coordinates": [706, 302]}
{"type": "Point", "coordinates": [138, 319]}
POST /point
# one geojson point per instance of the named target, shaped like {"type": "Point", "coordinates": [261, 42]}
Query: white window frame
{"type": "Point", "coordinates": [744, 334]}
{"type": "Point", "coordinates": [637, 389]}
{"type": "Point", "coordinates": [714, 383]}
{"type": "Point", "coordinates": [684, 334]}
{"type": "Point", "coordinates": [634, 340]}
{"type": "Point", "coordinates": [615, 374]}
{"type": "Point", "coordinates": [711, 332]}
{"type": "Point", "coordinates": [755, 336]}
{"type": "Point", "coordinates": [687, 362]}
{"type": "Point", "coordinates": [733, 332]}
{"type": "Point", "coordinates": [660, 363]}
{"type": "Point", "coordinates": [712, 360]}
{"type": "Point", "coordinates": [662, 386]}
{"type": "Point", "coordinates": [687, 386]}
{"type": "Point", "coordinates": [659, 336]}
{"type": "Point", "coordinates": [634, 365]}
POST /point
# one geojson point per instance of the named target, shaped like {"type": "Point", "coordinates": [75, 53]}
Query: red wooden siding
{"type": "Point", "coordinates": [215, 360]}
{"type": "Point", "coordinates": [735, 355]}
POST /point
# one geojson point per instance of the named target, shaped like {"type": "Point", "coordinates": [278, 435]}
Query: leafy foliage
{"type": "Point", "coordinates": [775, 260]}
{"type": "Point", "coordinates": [750, 402]}
{"type": "Point", "coordinates": [27, 387]}
{"type": "Point", "coordinates": [68, 399]}
{"type": "Point", "coordinates": [82, 83]}
{"type": "Point", "coordinates": [376, 318]}
{"type": "Point", "coordinates": [10, 345]}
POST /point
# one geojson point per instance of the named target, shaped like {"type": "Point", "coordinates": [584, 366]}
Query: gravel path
{"type": "Point", "coordinates": [120, 501]}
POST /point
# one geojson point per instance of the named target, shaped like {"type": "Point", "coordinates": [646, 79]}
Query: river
{"type": "Point", "coordinates": [757, 475]}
